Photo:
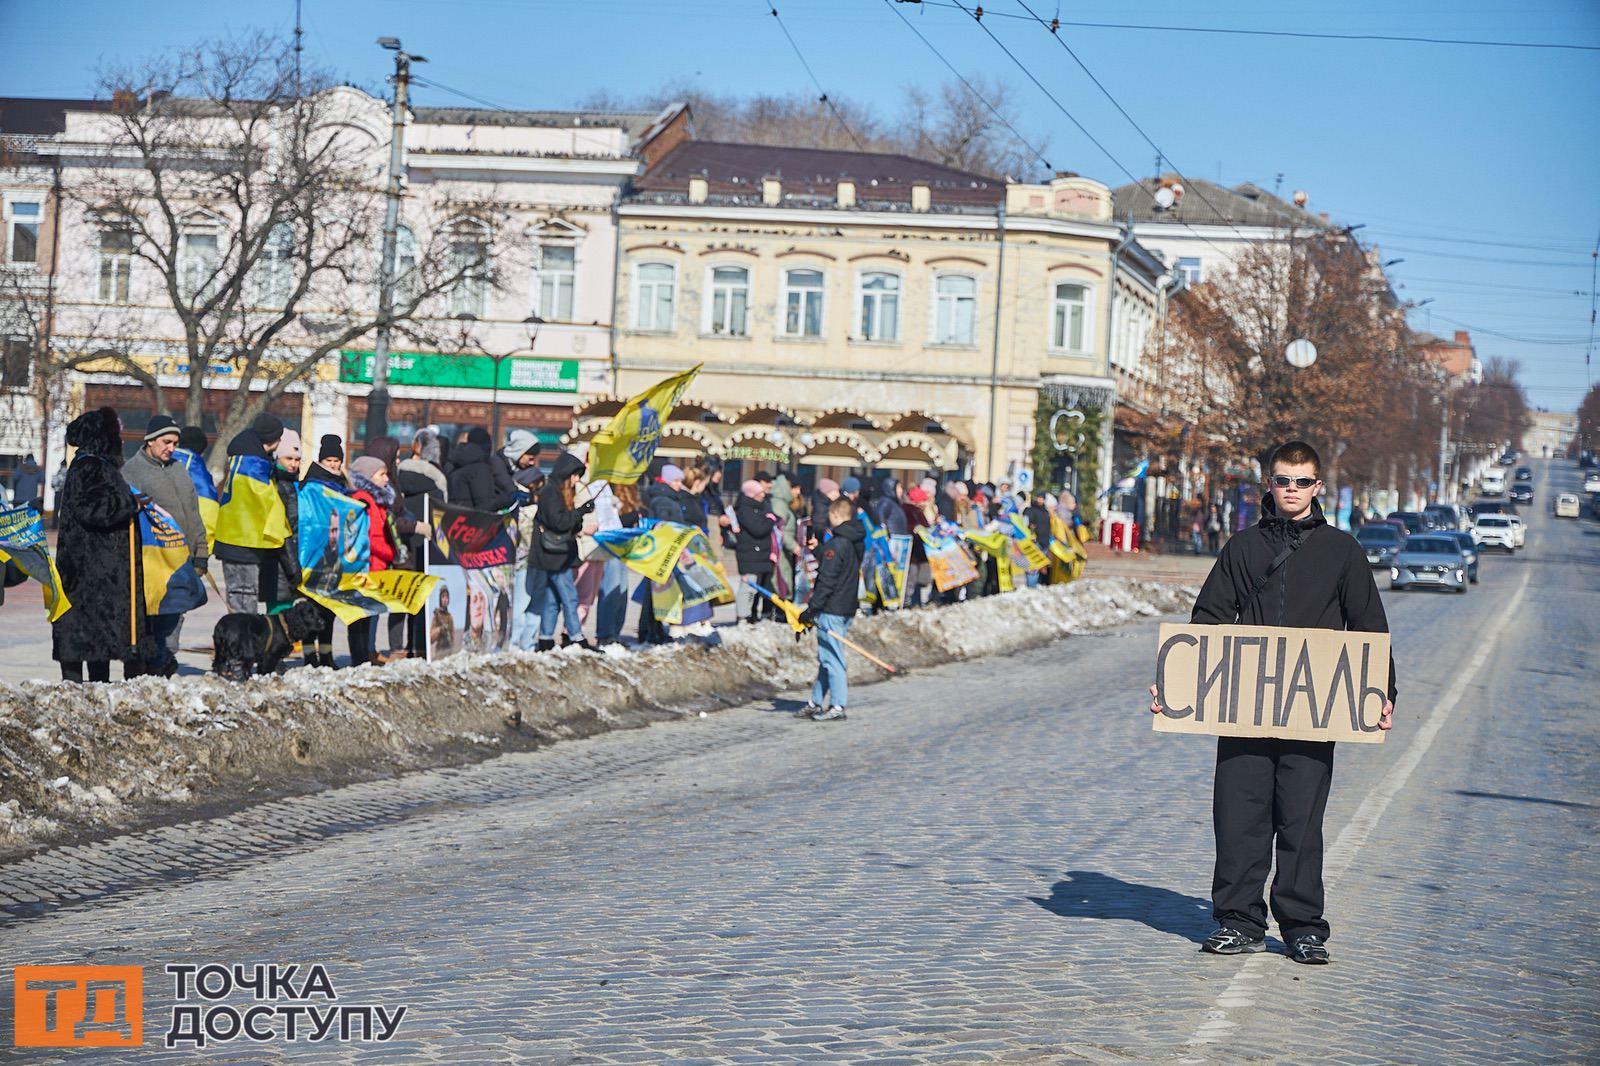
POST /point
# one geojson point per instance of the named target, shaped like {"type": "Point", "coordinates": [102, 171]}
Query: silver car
{"type": "Point", "coordinates": [1429, 561]}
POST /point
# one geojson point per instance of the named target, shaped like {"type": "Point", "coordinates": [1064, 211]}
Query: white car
{"type": "Point", "coordinates": [1495, 531]}
{"type": "Point", "coordinates": [1567, 506]}
{"type": "Point", "coordinates": [1592, 482]}
{"type": "Point", "coordinates": [1519, 527]}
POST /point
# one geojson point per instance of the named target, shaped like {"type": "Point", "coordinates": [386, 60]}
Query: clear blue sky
{"type": "Point", "coordinates": [1447, 153]}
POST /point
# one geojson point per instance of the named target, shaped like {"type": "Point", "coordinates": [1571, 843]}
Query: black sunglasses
{"type": "Point", "coordinates": [1283, 481]}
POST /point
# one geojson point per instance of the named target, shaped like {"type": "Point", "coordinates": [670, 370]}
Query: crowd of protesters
{"type": "Point", "coordinates": [775, 532]}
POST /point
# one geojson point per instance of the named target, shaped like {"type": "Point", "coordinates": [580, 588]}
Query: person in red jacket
{"type": "Point", "coordinates": [370, 476]}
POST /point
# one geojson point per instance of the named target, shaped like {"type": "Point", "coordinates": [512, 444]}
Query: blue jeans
{"type": "Point", "coordinates": [611, 606]}
{"type": "Point", "coordinates": [560, 598]}
{"type": "Point", "coordinates": [831, 680]}
{"type": "Point", "coordinates": [525, 607]}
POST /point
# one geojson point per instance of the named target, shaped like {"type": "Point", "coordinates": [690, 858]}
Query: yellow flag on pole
{"type": "Point", "coordinates": [622, 450]}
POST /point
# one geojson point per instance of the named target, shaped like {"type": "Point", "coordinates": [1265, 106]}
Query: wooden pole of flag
{"type": "Point", "coordinates": [791, 611]}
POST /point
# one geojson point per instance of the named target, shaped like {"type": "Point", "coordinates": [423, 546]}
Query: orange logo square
{"type": "Point", "coordinates": [78, 1006]}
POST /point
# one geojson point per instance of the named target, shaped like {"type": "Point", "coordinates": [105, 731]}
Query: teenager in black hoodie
{"type": "Point", "coordinates": [834, 599]}
{"type": "Point", "coordinates": [1295, 570]}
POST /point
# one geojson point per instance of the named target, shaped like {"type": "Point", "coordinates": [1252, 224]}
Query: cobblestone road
{"type": "Point", "coordinates": [992, 861]}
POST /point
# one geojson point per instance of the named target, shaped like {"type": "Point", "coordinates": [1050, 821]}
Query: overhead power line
{"type": "Point", "coordinates": [1302, 34]}
{"type": "Point", "coordinates": [824, 97]}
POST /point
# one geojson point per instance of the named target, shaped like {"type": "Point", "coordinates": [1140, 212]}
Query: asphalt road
{"type": "Point", "coordinates": [992, 861]}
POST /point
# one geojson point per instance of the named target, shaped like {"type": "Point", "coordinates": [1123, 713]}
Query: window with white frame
{"type": "Point", "coordinates": [729, 306]}
{"type": "Point", "coordinates": [555, 275]}
{"type": "Point", "coordinates": [1190, 270]}
{"type": "Point", "coordinates": [879, 306]}
{"type": "Point", "coordinates": [655, 292]}
{"type": "Point", "coordinates": [1070, 318]}
{"type": "Point", "coordinates": [469, 264]}
{"type": "Point", "coordinates": [22, 232]}
{"type": "Point", "coordinates": [116, 265]}
{"type": "Point", "coordinates": [405, 265]}
{"type": "Point", "coordinates": [275, 269]}
{"type": "Point", "coordinates": [802, 303]}
{"type": "Point", "coordinates": [955, 308]}
{"type": "Point", "coordinates": [16, 362]}
{"type": "Point", "coordinates": [200, 259]}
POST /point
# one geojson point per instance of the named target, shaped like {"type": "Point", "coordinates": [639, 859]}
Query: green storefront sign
{"type": "Point", "coordinates": [517, 373]}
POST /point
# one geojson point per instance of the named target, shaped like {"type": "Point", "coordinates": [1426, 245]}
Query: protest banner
{"type": "Point", "coordinates": [335, 559]}
{"type": "Point", "coordinates": [996, 544]}
{"type": "Point", "coordinates": [882, 583]}
{"type": "Point", "coordinates": [650, 549]}
{"type": "Point", "coordinates": [1025, 546]}
{"type": "Point", "coordinates": [23, 544]}
{"type": "Point", "coordinates": [475, 561]}
{"type": "Point", "coordinates": [171, 583]}
{"type": "Point", "coordinates": [1270, 681]}
{"type": "Point", "coordinates": [950, 564]}
{"type": "Point", "coordinates": [900, 548]}
{"type": "Point", "coordinates": [621, 451]}
{"type": "Point", "coordinates": [698, 578]}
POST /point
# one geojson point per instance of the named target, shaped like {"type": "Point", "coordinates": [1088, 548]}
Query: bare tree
{"type": "Point", "coordinates": [253, 194]}
{"type": "Point", "coordinates": [968, 126]}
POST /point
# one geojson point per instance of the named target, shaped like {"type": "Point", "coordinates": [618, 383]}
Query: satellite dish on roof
{"type": "Point", "coordinates": [1300, 198]}
{"type": "Point", "coordinates": [1300, 353]}
{"type": "Point", "coordinates": [1164, 198]}
{"type": "Point", "coordinates": [1177, 191]}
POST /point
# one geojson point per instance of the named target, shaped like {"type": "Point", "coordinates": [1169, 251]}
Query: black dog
{"type": "Point", "coordinates": [253, 643]}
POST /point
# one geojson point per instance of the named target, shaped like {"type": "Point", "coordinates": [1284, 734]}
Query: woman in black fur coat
{"type": "Point", "coordinates": [99, 557]}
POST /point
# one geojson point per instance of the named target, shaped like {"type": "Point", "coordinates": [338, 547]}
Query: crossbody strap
{"type": "Point", "coordinates": [1272, 568]}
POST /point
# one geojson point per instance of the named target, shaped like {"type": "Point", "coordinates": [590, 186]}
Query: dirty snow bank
{"type": "Point", "coordinates": [93, 757]}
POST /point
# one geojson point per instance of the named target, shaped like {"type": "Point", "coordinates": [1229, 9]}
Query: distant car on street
{"type": "Point", "coordinates": [1495, 531]}
{"type": "Point", "coordinates": [1469, 554]}
{"type": "Point", "coordinates": [1508, 458]}
{"type": "Point", "coordinates": [1447, 516]}
{"type": "Point", "coordinates": [1412, 520]}
{"type": "Point", "coordinates": [1524, 473]}
{"type": "Point", "coordinates": [1567, 505]}
{"type": "Point", "coordinates": [1520, 528]}
{"type": "Point", "coordinates": [1592, 482]}
{"type": "Point", "coordinates": [1381, 542]}
{"type": "Point", "coordinates": [1483, 506]}
{"type": "Point", "coordinates": [1494, 482]}
{"type": "Point", "coordinates": [1521, 492]}
{"type": "Point", "coordinates": [1430, 561]}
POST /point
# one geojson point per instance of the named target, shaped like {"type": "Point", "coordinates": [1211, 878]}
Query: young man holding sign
{"type": "Point", "coordinates": [1291, 570]}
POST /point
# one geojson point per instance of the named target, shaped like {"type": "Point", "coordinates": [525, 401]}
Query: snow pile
{"type": "Point", "coordinates": [96, 756]}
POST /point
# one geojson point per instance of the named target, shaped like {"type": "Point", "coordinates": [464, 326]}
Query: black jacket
{"type": "Point", "coordinates": [102, 567]}
{"type": "Point", "coordinates": [556, 521]}
{"type": "Point", "coordinates": [472, 481]}
{"type": "Point", "coordinates": [412, 489]}
{"type": "Point", "coordinates": [1038, 516]}
{"type": "Point", "coordinates": [819, 514]}
{"type": "Point", "coordinates": [665, 504]}
{"type": "Point", "coordinates": [1325, 584]}
{"type": "Point", "coordinates": [836, 589]}
{"type": "Point", "coordinates": [753, 546]}
{"type": "Point", "coordinates": [886, 509]}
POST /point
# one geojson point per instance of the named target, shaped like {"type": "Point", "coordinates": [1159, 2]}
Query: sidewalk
{"type": "Point", "coordinates": [1172, 568]}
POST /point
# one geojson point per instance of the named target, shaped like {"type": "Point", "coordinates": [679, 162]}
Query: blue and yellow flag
{"type": "Point", "coordinates": [996, 544]}
{"type": "Point", "coordinates": [22, 543]}
{"type": "Point", "coordinates": [250, 513]}
{"type": "Point", "coordinates": [1026, 546]}
{"type": "Point", "coordinates": [336, 554]}
{"type": "Point", "coordinates": [621, 452]}
{"type": "Point", "coordinates": [171, 583]}
{"type": "Point", "coordinates": [204, 488]}
{"type": "Point", "coordinates": [652, 548]}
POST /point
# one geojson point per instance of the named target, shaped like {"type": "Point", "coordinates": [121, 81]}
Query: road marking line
{"type": "Point", "coordinates": [1239, 992]}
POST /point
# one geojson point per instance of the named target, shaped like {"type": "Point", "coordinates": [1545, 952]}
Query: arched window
{"type": "Point", "coordinates": [116, 265]}
{"type": "Point", "coordinates": [802, 303]}
{"type": "Point", "coordinates": [730, 301]}
{"type": "Point", "coordinates": [554, 279]}
{"type": "Point", "coordinates": [469, 265]}
{"type": "Point", "coordinates": [275, 268]}
{"type": "Point", "coordinates": [1070, 322]}
{"type": "Point", "coordinates": [655, 292]}
{"type": "Point", "coordinates": [879, 306]}
{"type": "Point", "coordinates": [955, 309]}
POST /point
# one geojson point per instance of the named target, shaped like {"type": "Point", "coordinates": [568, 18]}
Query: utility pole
{"type": "Point", "coordinates": [378, 397]}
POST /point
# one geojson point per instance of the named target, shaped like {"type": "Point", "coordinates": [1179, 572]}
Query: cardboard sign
{"type": "Point", "coordinates": [1268, 681]}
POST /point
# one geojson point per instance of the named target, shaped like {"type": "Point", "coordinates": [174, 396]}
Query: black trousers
{"type": "Point", "coordinates": [1270, 791]}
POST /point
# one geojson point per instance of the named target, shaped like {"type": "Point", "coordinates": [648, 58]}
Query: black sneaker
{"type": "Point", "coordinates": [1227, 941]}
{"type": "Point", "coordinates": [1309, 949]}
{"type": "Point", "coordinates": [830, 714]}
{"type": "Point", "coordinates": [807, 711]}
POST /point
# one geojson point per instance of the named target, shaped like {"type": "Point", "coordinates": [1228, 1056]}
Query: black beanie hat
{"type": "Point", "coordinates": [332, 448]}
{"type": "Point", "coordinates": [269, 427]}
{"type": "Point", "coordinates": [194, 439]}
{"type": "Point", "coordinates": [160, 426]}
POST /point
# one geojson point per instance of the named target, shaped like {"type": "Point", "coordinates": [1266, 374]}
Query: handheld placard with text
{"type": "Point", "coordinates": [1267, 681]}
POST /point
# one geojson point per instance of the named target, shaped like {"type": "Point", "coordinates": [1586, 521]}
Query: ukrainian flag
{"type": "Point", "coordinates": [1027, 545]}
{"type": "Point", "coordinates": [996, 544]}
{"type": "Point", "coordinates": [652, 548]}
{"type": "Point", "coordinates": [250, 513]}
{"type": "Point", "coordinates": [621, 452]}
{"type": "Point", "coordinates": [171, 585]}
{"type": "Point", "coordinates": [336, 560]}
{"type": "Point", "coordinates": [204, 488]}
{"type": "Point", "coordinates": [22, 543]}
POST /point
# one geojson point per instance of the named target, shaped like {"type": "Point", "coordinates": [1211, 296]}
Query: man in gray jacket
{"type": "Point", "coordinates": [152, 472]}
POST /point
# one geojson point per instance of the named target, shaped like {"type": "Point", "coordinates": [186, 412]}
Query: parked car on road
{"type": "Point", "coordinates": [1524, 473]}
{"type": "Point", "coordinates": [1432, 560]}
{"type": "Point", "coordinates": [1521, 492]}
{"type": "Point", "coordinates": [1469, 555]}
{"type": "Point", "coordinates": [1592, 482]}
{"type": "Point", "coordinates": [1495, 531]}
{"type": "Point", "coordinates": [1447, 516]}
{"type": "Point", "coordinates": [1412, 520]}
{"type": "Point", "coordinates": [1567, 505]}
{"type": "Point", "coordinates": [1381, 542]}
